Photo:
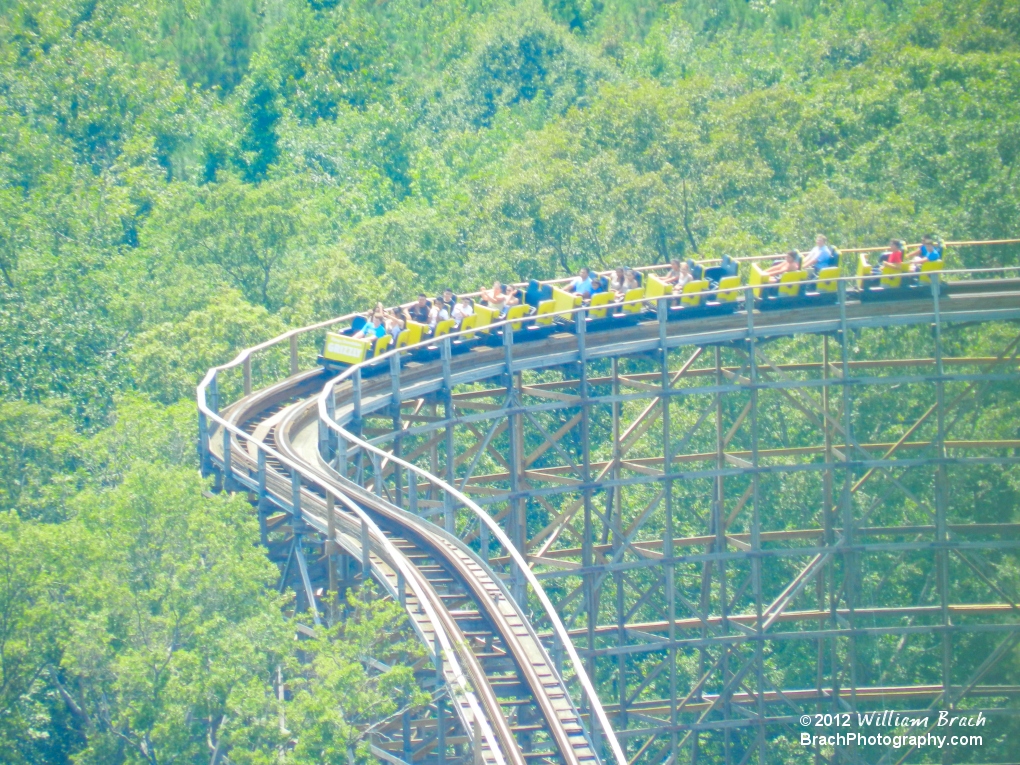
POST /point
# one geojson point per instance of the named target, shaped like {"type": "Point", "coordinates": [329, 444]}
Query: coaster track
{"type": "Point", "coordinates": [297, 446]}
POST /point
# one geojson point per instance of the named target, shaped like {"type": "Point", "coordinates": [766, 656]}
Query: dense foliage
{"type": "Point", "coordinates": [179, 179]}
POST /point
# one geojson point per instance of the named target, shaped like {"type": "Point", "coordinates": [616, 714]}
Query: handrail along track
{"type": "Point", "coordinates": [389, 564]}
{"type": "Point", "coordinates": [480, 711]}
{"type": "Point", "coordinates": [315, 488]}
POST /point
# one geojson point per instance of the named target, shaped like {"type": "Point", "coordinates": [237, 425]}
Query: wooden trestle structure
{"type": "Point", "coordinates": [719, 578]}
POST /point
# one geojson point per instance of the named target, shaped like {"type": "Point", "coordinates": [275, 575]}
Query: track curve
{"type": "Point", "coordinates": [518, 695]}
{"type": "Point", "coordinates": [502, 666]}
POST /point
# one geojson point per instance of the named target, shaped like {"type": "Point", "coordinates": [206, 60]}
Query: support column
{"type": "Point", "coordinates": [262, 506]}
{"type": "Point", "coordinates": [941, 509]}
{"type": "Point", "coordinates": [229, 484]}
{"type": "Point", "coordinates": [587, 541]}
{"type": "Point", "coordinates": [448, 411]}
{"type": "Point", "coordinates": [440, 707]}
{"type": "Point", "coordinates": [397, 424]}
{"type": "Point", "coordinates": [331, 549]}
{"type": "Point", "coordinates": [849, 558]}
{"type": "Point", "coordinates": [518, 505]}
{"type": "Point", "coordinates": [356, 423]}
{"type": "Point", "coordinates": [826, 580]}
{"type": "Point", "coordinates": [756, 574]}
{"type": "Point", "coordinates": [615, 509]}
{"type": "Point", "coordinates": [668, 533]}
{"type": "Point", "coordinates": [433, 454]}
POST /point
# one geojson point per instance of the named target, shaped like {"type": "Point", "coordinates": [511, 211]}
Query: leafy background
{"type": "Point", "coordinates": [182, 178]}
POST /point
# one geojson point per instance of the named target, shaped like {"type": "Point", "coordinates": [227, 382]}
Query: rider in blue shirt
{"type": "Point", "coordinates": [821, 255]}
{"type": "Point", "coordinates": [929, 251]}
{"type": "Point", "coordinates": [581, 284]}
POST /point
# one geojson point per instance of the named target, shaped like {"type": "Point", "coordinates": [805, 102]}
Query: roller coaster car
{"type": "Point", "coordinates": [897, 281]}
{"type": "Point", "coordinates": [603, 313]}
{"type": "Point", "coordinates": [553, 315]}
{"type": "Point", "coordinates": [342, 350]}
{"type": "Point", "coordinates": [412, 334]}
{"type": "Point", "coordinates": [494, 335]}
{"type": "Point", "coordinates": [795, 289]}
{"type": "Point", "coordinates": [459, 343]}
{"type": "Point", "coordinates": [697, 299]}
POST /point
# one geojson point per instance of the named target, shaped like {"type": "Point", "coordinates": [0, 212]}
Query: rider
{"type": "Point", "coordinates": [929, 251]}
{"type": "Point", "coordinates": [820, 256]}
{"type": "Point", "coordinates": [581, 284]}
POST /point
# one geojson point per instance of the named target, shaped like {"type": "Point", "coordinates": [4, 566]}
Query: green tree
{"type": "Point", "coordinates": [174, 620]}
{"type": "Point", "coordinates": [170, 359]}
{"type": "Point", "coordinates": [247, 232]}
{"type": "Point", "coordinates": [259, 142]}
{"type": "Point", "coordinates": [40, 460]}
{"type": "Point", "coordinates": [33, 631]}
{"type": "Point", "coordinates": [339, 696]}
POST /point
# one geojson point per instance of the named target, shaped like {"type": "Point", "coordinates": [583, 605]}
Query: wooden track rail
{"type": "Point", "coordinates": [338, 456]}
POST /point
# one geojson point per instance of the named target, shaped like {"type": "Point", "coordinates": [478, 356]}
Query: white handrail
{"type": "Point", "coordinates": [515, 554]}
{"type": "Point", "coordinates": [207, 414]}
{"type": "Point", "coordinates": [406, 570]}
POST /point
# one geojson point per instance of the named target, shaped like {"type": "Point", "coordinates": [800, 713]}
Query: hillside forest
{"type": "Point", "coordinates": [180, 179]}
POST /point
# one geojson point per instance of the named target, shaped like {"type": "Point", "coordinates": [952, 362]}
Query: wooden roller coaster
{"type": "Point", "coordinates": [471, 474]}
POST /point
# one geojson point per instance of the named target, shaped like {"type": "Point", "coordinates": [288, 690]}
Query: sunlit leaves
{"type": "Point", "coordinates": [170, 359]}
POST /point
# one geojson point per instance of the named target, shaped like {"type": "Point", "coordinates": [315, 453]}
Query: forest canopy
{"type": "Point", "coordinates": [180, 179]}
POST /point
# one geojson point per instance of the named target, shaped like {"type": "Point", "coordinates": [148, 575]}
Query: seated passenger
{"type": "Point", "coordinates": [788, 264]}
{"type": "Point", "coordinates": [513, 297]}
{"type": "Point", "coordinates": [618, 279]}
{"type": "Point", "coordinates": [374, 326]}
{"type": "Point", "coordinates": [675, 272]}
{"type": "Point", "coordinates": [395, 322]}
{"type": "Point", "coordinates": [599, 284]}
{"type": "Point", "coordinates": [449, 298]}
{"type": "Point", "coordinates": [820, 256]}
{"type": "Point", "coordinates": [366, 330]}
{"type": "Point", "coordinates": [489, 297]}
{"type": "Point", "coordinates": [440, 311]}
{"type": "Point", "coordinates": [684, 277]}
{"type": "Point", "coordinates": [499, 297]}
{"type": "Point", "coordinates": [580, 284]}
{"type": "Point", "coordinates": [894, 256]}
{"type": "Point", "coordinates": [419, 312]}
{"type": "Point", "coordinates": [927, 252]}
{"type": "Point", "coordinates": [463, 309]}
{"type": "Point", "coordinates": [631, 281]}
